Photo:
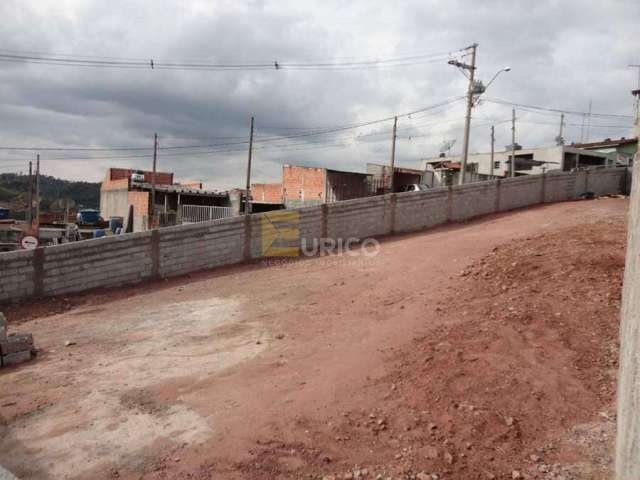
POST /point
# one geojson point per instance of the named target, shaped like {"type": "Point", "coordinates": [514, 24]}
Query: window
{"type": "Point", "coordinates": [496, 165]}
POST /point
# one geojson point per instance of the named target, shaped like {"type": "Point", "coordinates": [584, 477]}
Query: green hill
{"type": "Point", "coordinates": [14, 191]}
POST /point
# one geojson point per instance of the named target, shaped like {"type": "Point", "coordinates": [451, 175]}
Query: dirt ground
{"type": "Point", "coordinates": [484, 350]}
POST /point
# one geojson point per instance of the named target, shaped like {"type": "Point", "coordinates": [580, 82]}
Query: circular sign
{"type": "Point", "coordinates": [29, 242]}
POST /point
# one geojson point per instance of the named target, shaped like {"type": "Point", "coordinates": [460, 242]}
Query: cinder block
{"type": "Point", "coordinates": [15, 343]}
{"type": "Point", "coordinates": [16, 358]}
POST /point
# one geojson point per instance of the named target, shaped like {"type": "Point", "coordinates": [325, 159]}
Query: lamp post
{"type": "Point", "coordinates": [474, 90]}
{"type": "Point", "coordinates": [505, 69]}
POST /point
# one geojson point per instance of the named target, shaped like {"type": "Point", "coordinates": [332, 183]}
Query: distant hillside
{"type": "Point", "coordinates": [14, 191]}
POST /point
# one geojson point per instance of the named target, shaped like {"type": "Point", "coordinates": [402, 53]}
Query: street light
{"type": "Point", "coordinates": [475, 89]}
{"type": "Point", "coordinates": [505, 69]}
{"type": "Point", "coordinates": [479, 88]}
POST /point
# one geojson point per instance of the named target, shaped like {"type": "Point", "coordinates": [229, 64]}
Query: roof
{"type": "Point", "coordinates": [397, 169]}
{"type": "Point", "coordinates": [309, 167]}
{"type": "Point", "coordinates": [179, 189]}
{"type": "Point", "coordinates": [607, 142]}
{"type": "Point", "coordinates": [446, 164]}
{"type": "Point", "coordinates": [348, 173]}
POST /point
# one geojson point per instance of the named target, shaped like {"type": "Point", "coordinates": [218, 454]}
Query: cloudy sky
{"type": "Point", "coordinates": [563, 55]}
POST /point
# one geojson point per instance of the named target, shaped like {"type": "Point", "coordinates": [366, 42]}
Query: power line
{"type": "Point", "coordinates": [326, 131]}
{"type": "Point", "coordinates": [577, 125]}
{"type": "Point", "coordinates": [427, 112]}
{"type": "Point", "coordinates": [152, 64]}
{"type": "Point", "coordinates": [556, 110]}
{"type": "Point", "coordinates": [318, 144]}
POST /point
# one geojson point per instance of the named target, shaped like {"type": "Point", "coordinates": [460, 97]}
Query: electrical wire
{"type": "Point", "coordinates": [152, 64]}
{"type": "Point", "coordinates": [411, 115]}
{"type": "Point", "coordinates": [306, 134]}
{"type": "Point", "coordinates": [556, 110]}
{"type": "Point", "coordinates": [301, 145]}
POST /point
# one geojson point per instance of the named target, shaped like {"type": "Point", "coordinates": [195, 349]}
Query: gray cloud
{"type": "Point", "coordinates": [563, 54]}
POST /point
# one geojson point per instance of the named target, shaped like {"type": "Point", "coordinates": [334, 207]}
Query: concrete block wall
{"type": "Point", "coordinates": [559, 187]}
{"type": "Point", "coordinates": [188, 248]}
{"type": "Point", "coordinates": [520, 192]}
{"type": "Point", "coordinates": [361, 217]}
{"type": "Point", "coordinates": [17, 274]}
{"type": "Point", "coordinates": [603, 182]}
{"type": "Point", "coordinates": [109, 262]}
{"type": "Point", "coordinates": [475, 199]}
{"type": "Point", "coordinates": [421, 210]}
{"type": "Point", "coordinates": [132, 258]}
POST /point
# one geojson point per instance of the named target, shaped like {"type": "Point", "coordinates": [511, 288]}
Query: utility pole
{"type": "Point", "coordinates": [512, 165]}
{"type": "Point", "coordinates": [37, 220]}
{"type": "Point", "coordinates": [393, 152]}
{"type": "Point", "coordinates": [637, 95]}
{"type": "Point", "coordinates": [560, 138]}
{"type": "Point", "coordinates": [152, 220]}
{"type": "Point", "coordinates": [29, 212]}
{"type": "Point", "coordinates": [467, 123]}
{"type": "Point", "coordinates": [247, 201]}
{"type": "Point", "coordinates": [589, 122]}
{"type": "Point", "coordinates": [493, 147]}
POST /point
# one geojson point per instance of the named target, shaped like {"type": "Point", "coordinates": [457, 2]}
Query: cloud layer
{"type": "Point", "coordinates": [563, 55]}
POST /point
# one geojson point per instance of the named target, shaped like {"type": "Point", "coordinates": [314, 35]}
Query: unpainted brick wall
{"type": "Point", "coordinates": [266, 192]}
{"type": "Point", "coordinates": [132, 258]}
{"type": "Point", "coordinates": [303, 185]}
{"type": "Point", "coordinates": [140, 201]}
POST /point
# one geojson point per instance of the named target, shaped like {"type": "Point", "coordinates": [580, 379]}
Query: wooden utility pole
{"type": "Point", "coordinates": [493, 147]}
{"type": "Point", "coordinates": [512, 165]}
{"type": "Point", "coordinates": [393, 153]}
{"type": "Point", "coordinates": [37, 220]}
{"type": "Point", "coordinates": [247, 201]}
{"type": "Point", "coordinates": [467, 123]}
{"type": "Point", "coordinates": [152, 219]}
{"type": "Point", "coordinates": [29, 212]}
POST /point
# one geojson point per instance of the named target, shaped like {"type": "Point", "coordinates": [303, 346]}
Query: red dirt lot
{"type": "Point", "coordinates": [484, 350]}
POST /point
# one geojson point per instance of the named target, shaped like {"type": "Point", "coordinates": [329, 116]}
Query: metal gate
{"type": "Point", "coordinates": [203, 213]}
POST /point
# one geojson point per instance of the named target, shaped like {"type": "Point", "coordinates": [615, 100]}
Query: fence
{"type": "Point", "coordinates": [132, 258]}
{"type": "Point", "coordinates": [202, 213]}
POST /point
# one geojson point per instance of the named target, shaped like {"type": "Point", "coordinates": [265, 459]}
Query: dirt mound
{"type": "Point", "coordinates": [518, 383]}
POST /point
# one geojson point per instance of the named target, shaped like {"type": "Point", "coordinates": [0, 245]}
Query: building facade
{"type": "Point", "coordinates": [381, 177]}
{"type": "Point", "coordinates": [302, 186]}
{"type": "Point", "coordinates": [174, 203]}
{"type": "Point", "coordinates": [534, 161]}
{"type": "Point", "coordinates": [623, 148]}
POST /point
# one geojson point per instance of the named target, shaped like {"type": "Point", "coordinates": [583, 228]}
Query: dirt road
{"type": "Point", "coordinates": [441, 355]}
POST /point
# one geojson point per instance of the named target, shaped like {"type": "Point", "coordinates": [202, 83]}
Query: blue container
{"type": "Point", "coordinates": [4, 213]}
{"type": "Point", "coordinates": [115, 223]}
{"type": "Point", "coordinates": [99, 233]}
{"type": "Point", "coordinates": [88, 217]}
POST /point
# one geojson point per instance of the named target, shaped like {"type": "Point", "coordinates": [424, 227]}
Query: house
{"type": "Point", "coordinates": [381, 177]}
{"type": "Point", "coordinates": [174, 203]}
{"type": "Point", "coordinates": [624, 148]}
{"type": "Point", "coordinates": [302, 186]}
{"type": "Point", "coordinates": [446, 170]}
